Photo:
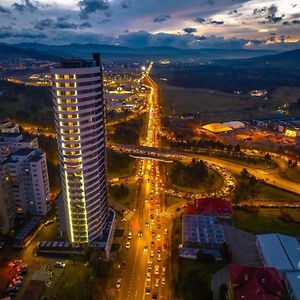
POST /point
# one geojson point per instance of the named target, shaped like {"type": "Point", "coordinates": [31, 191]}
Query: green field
{"type": "Point", "coordinates": [292, 174]}
{"type": "Point", "coordinates": [128, 200]}
{"type": "Point", "coordinates": [218, 106]}
{"type": "Point", "coordinates": [286, 94]}
{"type": "Point", "coordinates": [266, 222]}
{"type": "Point", "coordinates": [271, 193]}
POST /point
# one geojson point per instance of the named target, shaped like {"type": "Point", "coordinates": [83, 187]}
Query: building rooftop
{"type": "Point", "coordinates": [294, 282]}
{"type": "Point", "coordinates": [23, 152]}
{"type": "Point", "coordinates": [280, 251]}
{"type": "Point", "coordinates": [216, 206]}
{"type": "Point", "coordinates": [201, 230]}
{"type": "Point", "coordinates": [81, 63]}
{"type": "Point", "coordinates": [257, 283]}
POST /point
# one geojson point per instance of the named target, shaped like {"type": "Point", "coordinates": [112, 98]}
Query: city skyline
{"type": "Point", "coordinates": [185, 24]}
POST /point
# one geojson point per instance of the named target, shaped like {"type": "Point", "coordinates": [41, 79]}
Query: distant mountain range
{"type": "Point", "coordinates": [41, 51]}
{"type": "Point", "coordinates": [289, 59]}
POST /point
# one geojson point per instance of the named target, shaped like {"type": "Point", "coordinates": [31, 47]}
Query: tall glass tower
{"type": "Point", "coordinates": [80, 127]}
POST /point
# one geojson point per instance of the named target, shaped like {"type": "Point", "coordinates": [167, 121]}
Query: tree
{"type": "Point", "coordinates": [205, 258]}
{"type": "Point", "coordinates": [193, 286]}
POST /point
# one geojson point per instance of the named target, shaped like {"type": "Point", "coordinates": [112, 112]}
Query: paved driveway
{"type": "Point", "coordinates": [244, 252]}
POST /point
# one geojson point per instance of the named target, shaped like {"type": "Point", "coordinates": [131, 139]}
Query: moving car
{"type": "Point", "coordinates": [60, 264]}
{"type": "Point", "coordinates": [118, 283]}
{"type": "Point", "coordinates": [128, 245]}
{"type": "Point", "coordinates": [163, 281]}
{"type": "Point", "coordinates": [156, 270]}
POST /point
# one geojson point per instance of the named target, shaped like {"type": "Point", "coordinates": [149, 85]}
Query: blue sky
{"type": "Point", "coordinates": [252, 24]}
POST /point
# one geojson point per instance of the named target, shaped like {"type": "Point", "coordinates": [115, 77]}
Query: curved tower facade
{"type": "Point", "coordinates": [80, 126]}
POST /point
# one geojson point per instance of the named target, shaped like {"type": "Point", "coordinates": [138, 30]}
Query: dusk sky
{"type": "Point", "coordinates": [252, 24]}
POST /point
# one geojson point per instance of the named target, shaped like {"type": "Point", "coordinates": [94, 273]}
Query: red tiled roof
{"type": "Point", "coordinates": [257, 283]}
{"type": "Point", "coordinates": [217, 206]}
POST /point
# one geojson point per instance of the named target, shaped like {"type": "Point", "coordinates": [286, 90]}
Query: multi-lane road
{"type": "Point", "coordinates": [144, 263]}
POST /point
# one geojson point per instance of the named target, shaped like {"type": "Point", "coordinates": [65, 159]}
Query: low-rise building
{"type": "Point", "coordinates": [292, 284]}
{"type": "Point", "coordinates": [254, 283]}
{"type": "Point", "coordinates": [202, 231]}
{"type": "Point", "coordinates": [218, 207]}
{"type": "Point", "coordinates": [279, 251]}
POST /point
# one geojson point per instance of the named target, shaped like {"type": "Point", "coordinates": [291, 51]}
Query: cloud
{"type": "Point", "coordinates": [293, 22]}
{"type": "Point", "coordinates": [190, 30]}
{"type": "Point", "coordinates": [215, 22]}
{"type": "Point", "coordinates": [104, 21]}
{"type": "Point", "coordinates": [211, 21]}
{"type": "Point", "coordinates": [125, 3]}
{"type": "Point", "coordinates": [60, 23]}
{"type": "Point", "coordinates": [3, 10]}
{"type": "Point", "coordinates": [161, 18]}
{"type": "Point", "coordinates": [88, 7]}
{"type": "Point", "coordinates": [26, 6]}
{"type": "Point", "coordinates": [6, 32]}
{"type": "Point", "coordinates": [235, 13]}
{"type": "Point", "coordinates": [200, 20]}
{"type": "Point", "coordinates": [269, 14]}
{"type": "Point", "coordinates": [85, 25]}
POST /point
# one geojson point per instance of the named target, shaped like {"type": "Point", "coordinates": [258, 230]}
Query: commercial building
{"type": "Point", "coordinates": [7, 207]}
{"type": "Point", "coordinates": [30, 183]}
{"type": "Point", "coordinates": [279, 251]}
{"type": "Point", "coordinates": [292, 284]}
{"type": "Point", "coordinates": [224, 127]}
{"type": "Point", "coordinates": [202, 231]}
{"type": "Point", "coordinates": [211, 206]}
{"type": "Point", "coordinates": [80, 126]}
{"type": "Point", "coordinates": [283, 253]}
{"type": "Point", "coordinates": [249, 282]}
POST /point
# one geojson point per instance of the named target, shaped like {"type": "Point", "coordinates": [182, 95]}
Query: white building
{"type": "Point", "coordinates": [10, 142]}
{"type": "Point", "coordinates": [7, 207]}
{"type": "Point", "coordinates": [80, 125]}
{"type": "Point", "coordinates": [30, 182]}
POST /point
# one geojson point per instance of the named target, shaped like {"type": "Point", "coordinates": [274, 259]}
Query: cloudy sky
{"type": "Point", "coordinates": [139, 23]}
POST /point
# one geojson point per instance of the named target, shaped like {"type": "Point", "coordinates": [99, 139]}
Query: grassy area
{"type": "Point", "coordinates": [257, 164]}
{"type": "Point", "coordinates": [128, 200]}
{"type": "Point", "coordinates": [215, 105]}
{"type": "Point", "coordinates": [271, 193]}
{"type": "Point", "coordinates": [211, 183]}
{"type": "Point", "coordinates": [72, 282]}
{"type": "Point", "coordinates": [261, 222]}
{"type": "Point", "coordinates": [170, 200]}
{"type": "Point", "coordinates": [286, 94]}
{"type": "Point", "coordinates": [292, 174]}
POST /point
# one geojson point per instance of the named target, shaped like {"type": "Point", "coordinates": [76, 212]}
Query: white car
{"type": "Point", "coordinates": [156, 270]}
{"type": "Point", "coordinates": [128, 245]}
{"type": "Point", "coordinates": [163, 270]}
{"type": "Point", "coordinates": [151, 253]}
{"type": "Point", "coordinates": [118, 284]}
{"type": "Point", "coordinates": [157, 282]}
{"type": "Point", "coordinates": [60, 264]}
{"type": "Point", "coordinates": [163, 281]}
{"type": "Point", "coordinates": [158, 257]}
{"type": "Point", "coordinates": [158, 237]}
{"type": "Point", "coordinates": [148, 276]}
{"type": "Point", "coordinates": [129, 235]}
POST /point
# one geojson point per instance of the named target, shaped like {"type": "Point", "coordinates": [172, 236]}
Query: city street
{"type": "Point", "coordinates": [145, 250]}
